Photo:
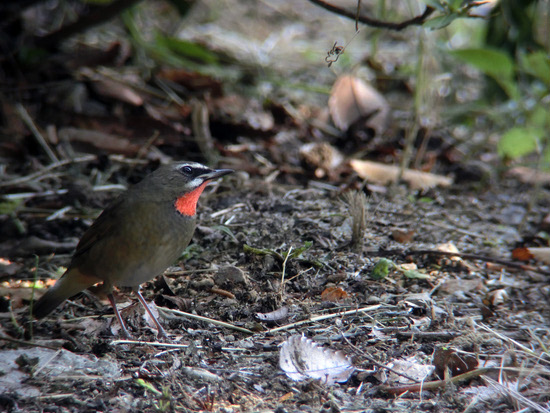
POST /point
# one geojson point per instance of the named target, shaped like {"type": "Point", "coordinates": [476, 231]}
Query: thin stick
{"type": "Point", "coordinates": [47, 362]}
{"type": "Point", "coordinates": [25, 117]}
{"type": "Point", "coordinates": [206, 319]}
{"type": "Point", "coordinates": [170, 345]}
{"type": "Point", "coordinates": [34, 176]}
{"type": "Point", "coordinates": [369, 21]}
{"type": "Point", "coordinates": [282, 288]}
{"type": "Point", "coordinates": [323, 317]}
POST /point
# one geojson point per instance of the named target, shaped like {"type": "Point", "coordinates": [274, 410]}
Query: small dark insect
{"type": "Point", "coordinates": [334, 54]}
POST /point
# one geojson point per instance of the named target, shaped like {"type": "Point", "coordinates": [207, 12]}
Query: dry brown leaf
{"type": "Point", "coordinates": [351, 99]}
{"type": "Point", "coordinates": [99, 140]}
{"type": "Point", "coordinates": [522, 254]}
{"type": "Point", "coordinates": [529, 175]}
{"type": "Point", "coordinates": [383, 174]}
{"type": "Point", "coordinates": [194, 81]}
{"type": "Point", "coordinates": [403, 236]}
{"type": "Point", "coordinates": [455, 362]}
{"type": "Point", "coordinates": [116, 90]}
{"type": "Point", "coordinates": [334, 294]}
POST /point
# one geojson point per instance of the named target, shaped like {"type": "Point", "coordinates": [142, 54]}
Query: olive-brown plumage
{"type": "Point", "coordinates": [136, 237]}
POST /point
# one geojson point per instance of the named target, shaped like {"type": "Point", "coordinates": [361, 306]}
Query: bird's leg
{"type": "Point", "coordinates": [124, 330]}
{"type": "Point", "coordinates": [160, 330]}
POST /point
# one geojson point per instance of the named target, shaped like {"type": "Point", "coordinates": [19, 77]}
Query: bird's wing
{"type": "Point", "coordinates": [102, 226]}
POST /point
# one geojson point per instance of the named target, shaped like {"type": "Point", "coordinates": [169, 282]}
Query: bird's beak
{"type": "Point", "coordinates": [216, 173]}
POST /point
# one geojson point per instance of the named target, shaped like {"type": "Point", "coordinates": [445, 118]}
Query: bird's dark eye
{"type": "Point", "coordinates": [187, 170]}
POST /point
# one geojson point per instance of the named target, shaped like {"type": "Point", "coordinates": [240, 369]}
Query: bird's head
{"type": "Point", "coordinates": [181, 183]}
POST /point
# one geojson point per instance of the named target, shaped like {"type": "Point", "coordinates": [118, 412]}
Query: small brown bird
{"type": "Point", "coordinates": [136, 237]}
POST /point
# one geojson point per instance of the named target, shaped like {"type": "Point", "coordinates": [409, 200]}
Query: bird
{"type": "Point", "coordinates": [142, 232]}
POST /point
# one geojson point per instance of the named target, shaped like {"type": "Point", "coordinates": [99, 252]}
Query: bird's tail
{"type": "Point", "coordinates": [70, 283]}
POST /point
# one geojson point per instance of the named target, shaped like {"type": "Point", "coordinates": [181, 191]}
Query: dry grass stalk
{"type": "Point", "coordinates": [357, 204]}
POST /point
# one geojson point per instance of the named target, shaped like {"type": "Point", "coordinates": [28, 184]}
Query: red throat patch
{"type": "Point", "coordinates": [187, 204]}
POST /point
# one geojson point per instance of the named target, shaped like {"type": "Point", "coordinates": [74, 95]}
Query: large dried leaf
{"type": "Point", "coordinates": [99, 140]}
{"type": "Point", "coordinates": [529, 175]}
{"type": "Point", "coordinates": [411, 367]}
{"type": "Point", "coordinates": [540, 253]}
{"type": "Point", "coordinates": [351, 99]}
{"type": "Point", "coordinates": [453, 361]}
{"type": "Point", "coordinates": [384, 174]}
{"type": "Point", "coordinates": [301, 358]}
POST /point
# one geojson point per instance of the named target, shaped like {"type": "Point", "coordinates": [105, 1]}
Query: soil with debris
{"type": "Point", "coordinates": [240, 266]}
{"type": "Point", "coordinates": [306, 287]}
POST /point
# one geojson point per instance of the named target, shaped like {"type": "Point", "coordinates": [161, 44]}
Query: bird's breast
{"type": "Point", "coordinates": [144, 241]}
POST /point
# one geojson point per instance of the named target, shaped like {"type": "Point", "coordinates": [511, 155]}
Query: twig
{"type": "Point", "coordinates": [35, 373]}
{"type": "Point", "coordinates": [205, 319]}
{"type": "Point", "coordinates": [170, 345]}
{"type": "Point", "coordinates": [357, 14]}
{"type": "Point", "coordinates": [415, 21]}
{"type": "Point", "coordinates": [428, 335]}
{"type": "Point", "coordinates": [36, 175]}
{"type": "Point", "coordinates": [282, 288]}
{"type": "Point", "coordinates": [201, 130]}
{"type": "Point", "coordinates": [25, 195]}
{"type": "Point", "coordinates": [25, 117]}
{"type": "Point", "coordinates": [433, 385]}
{"type": "Point", "coordinates": [323, 317]}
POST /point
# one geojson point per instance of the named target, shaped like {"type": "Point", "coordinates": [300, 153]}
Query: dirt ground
{"type": "Point", "coordinates": [274, 256]}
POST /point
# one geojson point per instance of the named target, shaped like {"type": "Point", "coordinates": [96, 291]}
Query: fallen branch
{"type": "Point", "coordinates": [369, 21]}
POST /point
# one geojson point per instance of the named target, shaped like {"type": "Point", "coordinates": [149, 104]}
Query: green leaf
{"type": "Point", "coordinates": [295, 253]}
{"type": "Point", "coordinates": [545, 164]}
{"type": "Point", "coordinates": [518, 142]}
{"type": "Point", "coordinates": [440, 22]}
{"type": "Point", "coordinates": [539, 117]}
{"type": "Point", "coordinates": [416, 275]}
{"type": "Point", "coordinates": [455, 5]}
{"type": "Point", "coordinates": [436, 4]}
{"type": "Point", "coordinates": [493, 63]}
{"type": "Point", "coordinates": [187, 49]}
{"type": "Point", "coordinates": [382, 269]}
{"type": "Point", "coordinates": [262, 251]}
{"type": "Point", "coordinates": [148, 386]}
{"type": "Point", "coordinates": [226, 230]}
{"type": "Point", "coordinates": [426, 200]}
{"type": "Point", "coordinates": [537, 64]}
{"type": "Point", "coordinates": [9, 206]}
